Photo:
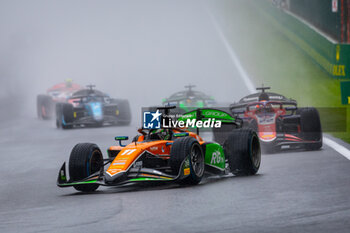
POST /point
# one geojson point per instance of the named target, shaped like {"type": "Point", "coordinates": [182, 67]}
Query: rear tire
{"type": "Point", "coordinates": [85, 159]}
{"type": "Point", "coordinates": [64, 115]}
{"type": "Point", "coordinates": [188, 147]}
{"type": "Point", "coordinates": [311, 129]}
{"type": "Point", "coordinates": [220, 134]}
{"type": "Point", "coordinates": [242, 149]}
{"type": "Point", "coordinates": [253, 125]}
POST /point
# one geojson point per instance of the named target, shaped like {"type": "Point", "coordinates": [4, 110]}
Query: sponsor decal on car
{"type": "Point", "coordinates": [187, 171]}
{"type": "Point", "coordinates": [216, 158]}
{"type": "Point", "coordinates": [122, 163]}
{"type": "Point", "coordinates": [247, 99]}
{"type": "Point", "coordinates": [187, 167]}
{"type": "Point", "coordinates": [187, 163]}
{"type": "Point", "coordinates": [128, 151]}
{"type": "Point", "coordinates": [276, 97]}
{"type": "Point", "coordinates": [113, 171]}
{"type": "Point", "coordinates": [154, 120]}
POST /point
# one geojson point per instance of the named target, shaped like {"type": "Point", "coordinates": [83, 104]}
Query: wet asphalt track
{"type": "Point", "coordinates": [293, 192]}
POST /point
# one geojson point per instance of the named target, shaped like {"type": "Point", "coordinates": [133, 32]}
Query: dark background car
{"type": "Point", "coordinates": [58, 93]}
{"type": "Point", "coordinates": [189, 99]}
{"type": "Point", "coordinates": [90, 107]}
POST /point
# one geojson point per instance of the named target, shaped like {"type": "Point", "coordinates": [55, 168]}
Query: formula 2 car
{"type": "Point", "coordinates": [279, 122]}
{"type": "Point", "coordinates": [189, 100]}
{"type": "Point", "coordinates": [45, 103]}
{"type": "Point", "coordinates": [90, 107]}
{"type": "Point", "coordinates": [164, 155]}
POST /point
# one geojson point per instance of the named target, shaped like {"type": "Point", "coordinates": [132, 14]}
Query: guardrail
{"type": "Point", "coordinates": [331, 56]}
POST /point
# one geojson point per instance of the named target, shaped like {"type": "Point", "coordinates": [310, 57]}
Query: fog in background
{"type": "Point", "coordinates": [140, 50]}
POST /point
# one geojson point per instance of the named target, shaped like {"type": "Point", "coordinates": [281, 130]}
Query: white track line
{"type": "Point", "coordinates": [337, 147]}
{"type": "Point", "coordinates": [251, 88]}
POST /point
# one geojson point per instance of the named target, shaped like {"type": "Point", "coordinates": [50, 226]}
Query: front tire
{"type": "Point", "coordinates": [188, 147]}
{"type": "Point", "coordinates": [311, 129]}
{"type": "Point", "coordinates": [64, 115]}
{"type": "Point", "coordinates": [85, 159]}
{"type": "Point", "coordinates": [242, 149]}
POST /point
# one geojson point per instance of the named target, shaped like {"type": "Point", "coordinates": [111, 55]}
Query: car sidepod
{"type": "Point", "coordinates": [215, 160]}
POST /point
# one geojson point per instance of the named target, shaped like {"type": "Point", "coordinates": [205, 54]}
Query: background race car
{"type": "Point", "coordinates": [279, 122]}
{"type": "Point", "coordinates": [56, 94]}
{"type": "Point", "coordinates": [164, 155]}
{"type": "Point", "coordinates": [189, 99]}
{"type": "Point", "coordinates": [89, 107]}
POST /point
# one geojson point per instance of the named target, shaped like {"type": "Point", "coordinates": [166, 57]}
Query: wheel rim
{"type": "Point", "coordinates": [197, 160]}
{"type": "Point", "coordinates": [95, 162]}
{"type": "Point", "coordinates": [256, 153]}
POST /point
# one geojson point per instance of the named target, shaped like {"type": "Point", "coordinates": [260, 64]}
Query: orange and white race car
{"type": "Point", "coordinates": [164, 154]}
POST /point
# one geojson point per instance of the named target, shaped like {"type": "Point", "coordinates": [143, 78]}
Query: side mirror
{"type": "Point", "coordinates": [120, 139]}
{"type": "Point", "coordinates": [184, 134]}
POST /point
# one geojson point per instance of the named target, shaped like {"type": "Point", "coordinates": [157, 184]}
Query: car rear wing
{"type": "Point", "coordinates": [203, 114]}
{"type": "Point", "coordinates": [237, 106]}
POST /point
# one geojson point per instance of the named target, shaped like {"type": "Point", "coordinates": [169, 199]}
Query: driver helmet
{"type": "Point", "coordinates": [264, 97]}
{"type": "Point", "coordinates": [69, 82]}
{"type": "Point", "coordinates": [163, 134]}
{"type": "Point", "coordinates": [265, 107]}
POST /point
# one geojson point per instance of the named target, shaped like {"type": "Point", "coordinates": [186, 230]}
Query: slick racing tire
{"type": "Point", "coordinates": [85, 159]}
{"type": "Point", "coordinates": [310, 125]}
{"type": "Point", "coordinates": [64, 115]}
{"type": "Point", "coordinates": [44, 106]}
{"type": "Point", "coordinates": [242, 150]}
{"type": "Point", "coordinates": [253, 125]}
{"type": "Point", "coordinates": [183, 148]}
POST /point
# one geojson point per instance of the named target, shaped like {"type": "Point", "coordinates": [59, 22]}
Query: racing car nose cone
{"type": "Point", "coordinates": [119, 177]}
